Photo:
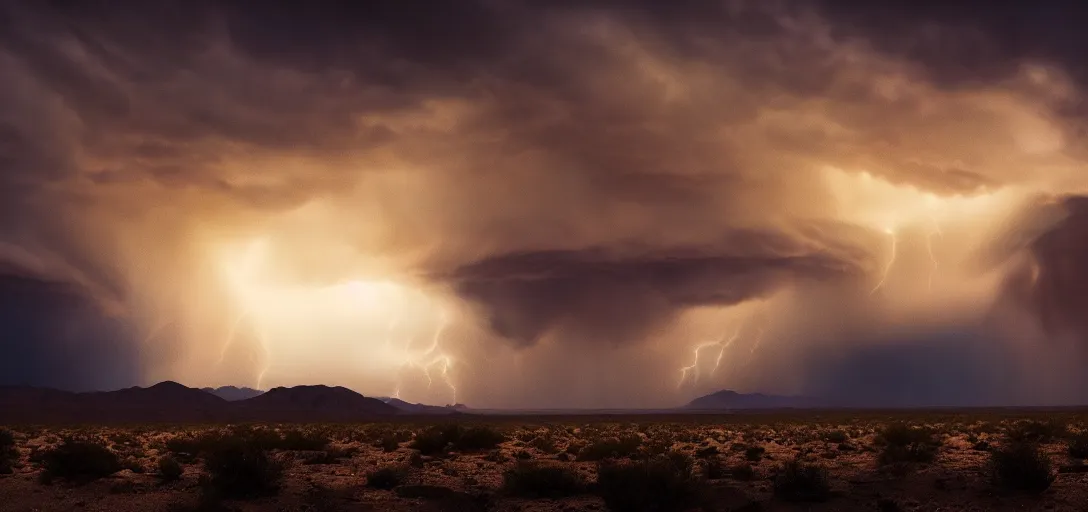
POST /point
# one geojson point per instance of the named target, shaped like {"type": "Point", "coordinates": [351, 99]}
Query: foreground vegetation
{"type": "Point", "coordinates": [841, 461]}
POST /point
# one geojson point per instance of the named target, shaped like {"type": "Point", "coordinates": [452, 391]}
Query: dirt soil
{"type": "Point", "coordinates": [333, 474]}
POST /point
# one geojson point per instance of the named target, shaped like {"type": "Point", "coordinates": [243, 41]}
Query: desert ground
{"type": "Point", "coordinates": [884, 461]}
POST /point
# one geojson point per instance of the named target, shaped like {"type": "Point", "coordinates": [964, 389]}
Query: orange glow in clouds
{"type": "Point", "coordinates": [381, 328]}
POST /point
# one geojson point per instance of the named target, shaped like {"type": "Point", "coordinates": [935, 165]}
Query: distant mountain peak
{"type": "Point", "coordinates": [233, 393]}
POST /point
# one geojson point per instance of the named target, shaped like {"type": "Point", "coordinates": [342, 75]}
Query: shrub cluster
{"type": "Point", "coordinates": [1021, 466]}
{"type": "Point", "coordinates": [8, 453]}
{"type": "Point", "coordinates": [798, 481]}
{"type": "Point", "coordinates": [439, 439]}
{"type": "Point", "coordinates": [661, 483]}
{"type": "Point", "coordinates": [80, 460]}
{"type": "Point", "coordinates": [905, 444]}
{"type": "Point", "coordinates": [241, 468]}
{"type": "Point", "coordinates": [387, 477]}
{"type": "Point", "coordinates": [529, 480]}
{"type": "Point", "coordinates": [611, 447]}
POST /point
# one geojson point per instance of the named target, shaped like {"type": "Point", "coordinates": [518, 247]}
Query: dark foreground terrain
{"type": "Point", "coordinates": [951, 461]}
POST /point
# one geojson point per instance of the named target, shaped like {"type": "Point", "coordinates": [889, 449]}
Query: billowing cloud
{"type": "Point", "coordinates": [545, 181]}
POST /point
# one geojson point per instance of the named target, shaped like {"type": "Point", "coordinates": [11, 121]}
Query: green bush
{"type": "Point", "coordinates": [658, 484]}
{"type": "Point", "coordinates": [169, 468]}
{"type": "Point", "coordinates": [528, 480]}
{"type": "Point", "coordinates": [81, 461]}
{"type": "Point", "coordinates": [1021, 466]}
{"type": "Point", "coordinates": [241, 468]}
{"type": "Point", "coordinates": [797, 481]}
{"type": "Point", "coordinates": [387, 477]}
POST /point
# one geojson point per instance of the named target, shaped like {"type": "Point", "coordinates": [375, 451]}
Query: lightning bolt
{"type": "Point", "coordinates": [430, 360]}
{"type": "Point", "coordinates": [929, 249]}
{"type": "Point", "coordinates": [232, 335]}
{"type": "Point", "coordinates": [755, 346]}
{"type": "Point", "coordinates": [891, 261]}
{"type": "Point", "coordinates": [693, 368]}
{"type": "Point", "coordinates": [432, 357]}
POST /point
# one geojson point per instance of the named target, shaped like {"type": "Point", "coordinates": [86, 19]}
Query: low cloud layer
{"type": "Point", "coordinates": [504, 203]}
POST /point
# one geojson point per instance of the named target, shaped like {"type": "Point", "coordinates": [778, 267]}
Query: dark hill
{"type": "Point", "coordinates": [411, 408]}
{"type": "Point", "coordinates": [174, 403]}
{"type": "Point", "coordinates": [312, 403]}
{"type": "Point", "coordinates": [165, 402]}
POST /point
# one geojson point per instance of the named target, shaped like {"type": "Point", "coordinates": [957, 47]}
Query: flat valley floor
{"type": "Point", "coordinates": [860, 460]}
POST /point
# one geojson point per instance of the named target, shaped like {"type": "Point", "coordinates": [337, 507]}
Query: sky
{"type": "Point", "coordinates": [547, 204]}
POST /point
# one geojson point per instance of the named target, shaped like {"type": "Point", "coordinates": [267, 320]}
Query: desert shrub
{"type": "Point", "coordinates": [797, 481]}
{"type": "Point", "coordinates": [169, 468]}
{"type": "Point", "coordinates": [241, 468]}
{"type": "Point", "coordinates": [388, 443]}
{"type": "Point", "coordinates": [1078, 446]}
{"type": "Point", "coordinates": [754, 453]}
{"type": "Point", "coordinates": [522, 455]}
{"type": "Point", "coordinates": [709, 451]}
{"type": "Point", "coordinates": [742, 472]}
{"type": "Point", "coordinates": [81, 461]}
{"type": "Point", "coordinates": [133, 464]}
{"type": "Point", "coordinates": [610, 447]}
{"type": "Point", "coordinates": [904, 444]}
{"type": "Point", "coordinates": [478, 438]}
{"type": "Point", "coordinates": [713, 469]}
{"type": "Point", "coordinates": [386, 477]}
{"type": "Point", "coordinates": [303, 441]}
{"type": "Point", "coordinates": [836, 436]}
{"type": "Point", "coordinates": [262, 438]}
{"type": "Point", "coordinates": [528, 480]}
{"type": "Point", "coordinates": [659, 484]}
{"type": "Point", "coordinates": [329, 456]}
{"type": "Point", "coordinates": [7, 443]}
{"type": "Point", "coordinates": [8, 453]}
{"type": "Point", "coordinates": [183, 445]}
{"type": "Point", "coordinates": [545, 444]}
{"type": "Point", "coordinates": [436, 439]}
{"type": "Point", "coordinates": [1021, 466]}
{"type": "Point", "coordinates": [1036, 431]}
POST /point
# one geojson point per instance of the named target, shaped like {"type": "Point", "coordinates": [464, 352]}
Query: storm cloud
{"type": "Point", "coordinates": [564, 181]}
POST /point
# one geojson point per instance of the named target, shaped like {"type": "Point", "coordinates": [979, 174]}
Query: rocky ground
{"type": "Point", "coordinates": [950, 461]}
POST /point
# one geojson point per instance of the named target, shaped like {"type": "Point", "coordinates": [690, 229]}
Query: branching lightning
{"type": "Point", "coordinates": [693, 368]}
{"type": "Point", "coordinates": [891, 260]}
{"type": "Point", "coordinates": [430, 359]}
